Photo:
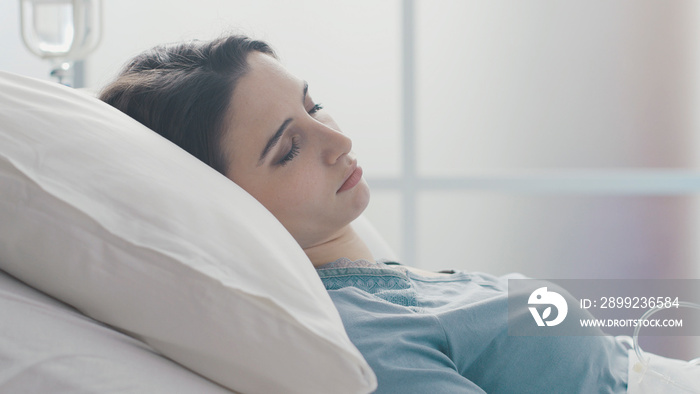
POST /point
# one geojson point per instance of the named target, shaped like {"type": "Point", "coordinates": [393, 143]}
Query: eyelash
{"type": "Point", "coordinates": [293, 152]}
{"type": "Point", "coordinates": [315, 108]}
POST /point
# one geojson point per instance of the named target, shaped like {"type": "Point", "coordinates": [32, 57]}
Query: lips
{"type": "Point", "coordinates": [352, 179]}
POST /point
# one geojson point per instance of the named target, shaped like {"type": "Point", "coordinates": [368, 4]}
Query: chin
{"type": "Point", "coordinates": [360, 198]}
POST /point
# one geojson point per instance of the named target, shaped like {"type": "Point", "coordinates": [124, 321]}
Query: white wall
{"type": "Point", "coordinates": [512, 86]}
{"type": "Point", "coordinates": [532, 84]}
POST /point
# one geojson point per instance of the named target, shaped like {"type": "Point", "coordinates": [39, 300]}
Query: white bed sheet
{"type": "Point", "coordinates": [48, 347]}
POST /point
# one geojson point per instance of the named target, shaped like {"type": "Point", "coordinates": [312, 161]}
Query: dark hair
{"type": "Point", "coordinates": [183, 91]}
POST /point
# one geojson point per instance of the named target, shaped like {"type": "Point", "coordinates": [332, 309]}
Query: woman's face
{"type": "Point", "coordinates": [290, 155]}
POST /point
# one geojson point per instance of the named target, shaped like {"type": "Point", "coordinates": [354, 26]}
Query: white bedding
{"type": "Point", "coordinates": [48, 347]}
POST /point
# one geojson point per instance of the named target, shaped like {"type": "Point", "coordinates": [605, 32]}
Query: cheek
{"type": "Point", "coordinates": [295, 195]}
{"type": "Point", "coordinates": [305, 190]}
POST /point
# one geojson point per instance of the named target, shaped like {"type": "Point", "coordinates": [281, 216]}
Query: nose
{"type": "Point", "coordinates": [334, 144]}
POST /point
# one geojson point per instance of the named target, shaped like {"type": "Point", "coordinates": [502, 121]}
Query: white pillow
{"type": "Point", "coordinates": [109, 217]}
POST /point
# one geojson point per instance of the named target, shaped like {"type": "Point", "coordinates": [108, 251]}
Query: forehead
{"type": "Point", "coordinates": [262, 99]}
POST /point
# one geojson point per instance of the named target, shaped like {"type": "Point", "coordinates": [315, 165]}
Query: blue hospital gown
{"type": "Point", "coordinates": [449, 334]}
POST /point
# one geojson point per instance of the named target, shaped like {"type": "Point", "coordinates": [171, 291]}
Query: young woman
{"type": "Point", "coordinates": [230, 103]}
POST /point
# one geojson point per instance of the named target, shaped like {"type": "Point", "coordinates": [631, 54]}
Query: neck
{"type": "Point", "coordinates": [344, 244]}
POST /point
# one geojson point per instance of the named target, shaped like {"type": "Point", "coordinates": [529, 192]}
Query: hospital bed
{"type": "Point", "coordinates": [126, 265]}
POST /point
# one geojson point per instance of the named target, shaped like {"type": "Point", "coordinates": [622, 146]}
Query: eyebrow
{"type": "Point", "coordinates": [278, 134]}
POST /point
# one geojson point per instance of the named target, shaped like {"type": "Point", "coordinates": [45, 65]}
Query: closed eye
{"type": "Point", "coordinates": [293, 152]}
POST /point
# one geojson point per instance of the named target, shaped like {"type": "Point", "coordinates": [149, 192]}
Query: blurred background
{"type": "Point", "coordinates": [556, 139]}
